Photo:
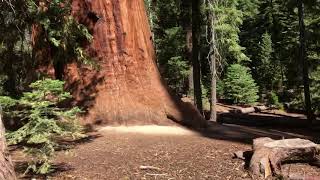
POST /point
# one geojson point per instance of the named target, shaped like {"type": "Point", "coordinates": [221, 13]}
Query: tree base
{"type": "Point", "coordinates": [6, 166]}
{"type": "Point", "coordinates": [127, 88]}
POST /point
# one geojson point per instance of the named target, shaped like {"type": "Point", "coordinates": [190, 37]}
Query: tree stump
{"type": "Point", "coordinates": [269, 154]}
{"type": "Point", "coordinates": [6, 166]}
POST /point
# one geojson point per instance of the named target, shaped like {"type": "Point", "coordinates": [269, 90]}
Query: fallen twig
{"type": "Point", "coordinates": [149, 168]}
{"type": "Point", "coordinates": [149, 174]}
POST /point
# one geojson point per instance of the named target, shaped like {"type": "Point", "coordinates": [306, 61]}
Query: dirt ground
{"type": "Point", "coordinates": [174, 152]}
{"type": "Point", "coordinates": [165, 153]}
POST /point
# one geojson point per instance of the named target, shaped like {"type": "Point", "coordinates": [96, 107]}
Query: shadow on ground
{"type": "Point", "coordinates": [21, 161]}
{"type": "Point", "coordinates": [21, 166]}
{"type": "Point", "coordinates": [244, 128]}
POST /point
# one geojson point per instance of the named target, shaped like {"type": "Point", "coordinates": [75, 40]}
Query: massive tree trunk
{"type": "Point", "coordinates": [6, 166]}
{"type": "Point", "coordinates": [127, 88]}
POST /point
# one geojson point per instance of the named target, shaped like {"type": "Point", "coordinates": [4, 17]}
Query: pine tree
{"type": "Point", "coordinates": [239, 85]}
{"type": "Point", "coordinates": [267, 68]}
{"type": "Point", "coordinates": [228, 19]}
{"type": "Point", "coordinates": [43, 121]}
{"type": "Point", "coordinates": [224, 19]}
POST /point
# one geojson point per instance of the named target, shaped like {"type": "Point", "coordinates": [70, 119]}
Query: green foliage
{"type": "Point", "coordinates": [205, 97]}
{"type": "Point", "coordinates": [44, 122]}
{"type": "Point", "coordinates": [61, 30]}
{"type": "Point", "coordinates": [178, 69]}
{"type": "Point", "coordinates": [58, 32]}
{"type": "Point", "coordinates": [227, 21]}
{"type": "Point", "coordinates": [315, 90]}
{"type": "Point", "coordinates": [249, 8]}
{"type": "Point", "coordinates": [273, 100]}
{"type": "Point", "coordinates": [239, 85]}
{"type": "Point", "coordinates": [170, 40]}
{"type": "Point", "coordinates": [7, 102]}
{"type": "Point", "coordinates": [3, 79]}
{"type": "Point", "coordinates": [267, 70]}
{"type": "Point", "coordinates": [172, 64]}
{"type": "Point", "coordinates": [15, 49]}
{"type": "Point", "coordinates": [270, 38]}
{"type": "Point", "coordinates": [220, 89]}
{"type": "Point", "coordinates": [266, 48]}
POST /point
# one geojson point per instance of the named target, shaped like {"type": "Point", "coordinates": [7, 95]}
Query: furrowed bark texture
{"type": "Point", "coordinates": [127, 88]}
{"type": "Point", "coordinates": [6, 166]}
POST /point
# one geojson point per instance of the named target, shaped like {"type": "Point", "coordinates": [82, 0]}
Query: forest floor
{"type": "Point", "coordinates": [163, 152]}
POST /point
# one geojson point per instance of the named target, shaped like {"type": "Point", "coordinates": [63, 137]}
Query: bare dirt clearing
{"type": "Point", "coordinates": [174, 152]}
{"type": "Point", "coordinates": [149, 130]}
{"type": "Point", "coordinates": [114, 153]}
{"type": "Point", "coordinates": [119, 155]}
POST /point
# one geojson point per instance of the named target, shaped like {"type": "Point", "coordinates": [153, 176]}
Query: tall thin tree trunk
{"type": "Point", "coordinates": [213, 116]}
{"type": "Point", "coordinates": [127, 88]}
{"type": "Point", "coordinates": [152, 4]}
{"type": "Point", "coordinates": [304, 61]}
{"type": "Point", "coordinates": [6, 166]}
{"type": "Point", "coordinates": [186, 10]}
{"type": "Point", "coordinates": [196, 54]}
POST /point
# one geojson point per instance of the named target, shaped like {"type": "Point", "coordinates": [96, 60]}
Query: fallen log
{"type": "Point", "coordinates": [149, 168]}
{"type": "Point", "coordinates": [243, 110]}
{"type": "Point", "coordinates": [269, 154]}
{"type": "Point", "coordinates": [260, 108]}
{"type": "Point", "coordinates": [248, 110]}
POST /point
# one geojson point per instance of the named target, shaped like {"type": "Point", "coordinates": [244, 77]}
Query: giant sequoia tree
{"type": "Point", "coordinates": [127, 87]}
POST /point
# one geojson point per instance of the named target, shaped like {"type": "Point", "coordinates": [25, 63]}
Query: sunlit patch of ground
{"type": "Point", "coordinates": [149, 129]}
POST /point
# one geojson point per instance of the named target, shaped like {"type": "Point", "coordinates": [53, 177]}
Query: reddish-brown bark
{"type": "Point", "coordinates": [41, 54]}
{"type": "Point", "coordinates": [127, 88]}
{"type": "Point", "coordinates": [6, 166]}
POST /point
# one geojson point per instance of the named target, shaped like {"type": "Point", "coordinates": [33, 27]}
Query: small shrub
{"type": "Point", "coordinates": [220, 89]}
{"type": "Point", "coordinates": [298, 103]}
{"type": "Point", "coordinates": [206, 97]}
{"type": "Point", "coordinates": [44, 123]}
{"type": "Point", "coordinates": [273, 99]}
{"type": "Point", "coordinates": [3, 79]}
{"type": "Point", "coordinates": [315, 90]}
{"type": "Point", "coordinates": [239, 85]}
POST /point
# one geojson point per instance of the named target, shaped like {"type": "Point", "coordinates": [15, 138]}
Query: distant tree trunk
{"type": "Point", "coordinates": [304, 61]}
{"type": "Point", "coordinates": [6, 166]}
{"type": "Point", "coordinates": [196, 54]}
{"type": "Point", "coordinates": [213, 116]}
{"type": "Point", "coordinates": [41, 55]}
{"type": "Point", "coordinates": [127, 88]}
{"type": "Point", "coordinates": [151, 5]}
{"type": "Point", "coordinates": [186, 10]}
